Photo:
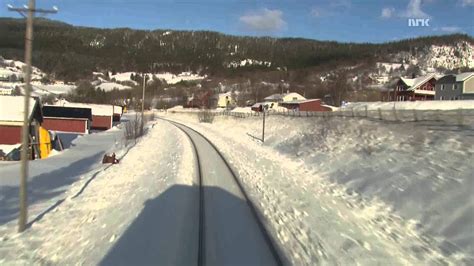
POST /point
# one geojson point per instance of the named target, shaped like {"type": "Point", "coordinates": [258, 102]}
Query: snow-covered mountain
{"type": "Point", "coordinates": [437, 59]}
{"type": "Point", "coordinates": [457, 55]}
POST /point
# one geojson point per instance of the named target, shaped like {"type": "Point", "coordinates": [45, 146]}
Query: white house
{"type": "Point", "coordinates": [275, 99]}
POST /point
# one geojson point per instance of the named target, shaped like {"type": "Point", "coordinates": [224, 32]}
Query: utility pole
{"type": "Point", "coordinates": [263, 129]}
{"type": "Point", "coordinates": [30, 11]}
{"type": "Point", "coordinates": [264, 109]}
{"type": "Point", "coordinates": [143, 99]}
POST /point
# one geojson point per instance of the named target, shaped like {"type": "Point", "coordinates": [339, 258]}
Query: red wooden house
{"type": "Point", "coordinates": [415, 89]}
{"type": "Point", "coordinates": [102, 114]}
{"type": "Point", "coordinates": [11, 119]}
{"type": "Point", "coordinates": [310, 105]}
{"type": "Point", "coordinates": [67, 119]}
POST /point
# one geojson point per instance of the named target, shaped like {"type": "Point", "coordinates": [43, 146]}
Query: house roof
{"type": "Point", "coordinates": [464, 76]}
{"type": "Point", "coordinates": [67, 112]}
{"type": "Point", "coordinates": [276, 96]}
{"type": "Point", "coordinates": [413, 84]}
{"type": "Point", "coordinates": [301, 101]}
{"type": "Point", "coordinates": [97, 109]}
{"type": "Point", "coordinates": [12, 108]}
{"type": "Point", "coordinates": [293, 94]}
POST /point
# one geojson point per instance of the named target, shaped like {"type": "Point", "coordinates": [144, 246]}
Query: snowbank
{"type": "Point", "coordinates": [405, 188]}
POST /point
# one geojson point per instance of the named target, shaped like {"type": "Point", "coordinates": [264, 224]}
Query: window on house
{"type": "Point", "coordinates": [440, 98]}
{"type": "Point", "coordinates": [442, 86]}
{"type": "Point", "coordinates": [454, 86]}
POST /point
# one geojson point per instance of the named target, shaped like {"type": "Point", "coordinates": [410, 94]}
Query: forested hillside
{"type": "Point", "coordinates": [70, 52]}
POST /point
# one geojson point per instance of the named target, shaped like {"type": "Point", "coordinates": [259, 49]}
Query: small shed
{"type": "Point", "coordinates": [67, 119]}
{"type": "Point", "coordinates": [310, 105]}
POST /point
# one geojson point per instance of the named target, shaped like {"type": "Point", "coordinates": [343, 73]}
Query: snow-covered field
{"type": "Point", "coordinates": [56, 88]}
{"type": "Point", "coordinates": [109, 86]}
{"type": "Point", "coordinates": [169, 78]}
{"type": "Point", "coordinates": [355, 191]}
{"type": "Point", "coordinates": [418, 105]}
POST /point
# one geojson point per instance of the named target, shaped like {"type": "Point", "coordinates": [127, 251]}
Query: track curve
{"type": "Point", "coordinates": [231, 231]}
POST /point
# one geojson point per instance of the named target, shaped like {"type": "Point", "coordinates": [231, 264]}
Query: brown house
{"type": "Point", "coordinates": [415, 89]}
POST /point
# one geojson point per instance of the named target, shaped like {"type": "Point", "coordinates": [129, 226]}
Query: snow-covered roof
{"type": "Point", "coordinates": [275, 96]}
{"type": "Point", "coordinates": [293, 95]}
{"type": "Point", "coordinates": [464, 76]}
{"type": "Point", "coordinates": [301, 101]}
{"type": "Point", "coordinates": [11, 108]}
{"type": "Point", "coordinates": [413, 84]}
{"type": "Point", "coordinates": [97, 109]}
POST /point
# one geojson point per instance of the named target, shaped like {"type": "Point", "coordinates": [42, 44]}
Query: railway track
{"type": "Point", "coordinates": [231, 231]}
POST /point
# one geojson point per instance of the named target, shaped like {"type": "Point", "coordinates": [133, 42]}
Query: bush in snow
{"type": "Point", "coordinates": [134, 128]}
{"type": "Point", "coordinates": [205, 116]}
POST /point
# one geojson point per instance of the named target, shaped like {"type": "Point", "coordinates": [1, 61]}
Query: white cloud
{"type": "Point", "coordinates": [264, 20]}
{"type": "Point", "coordinates": [414, 10]}
{"type": "Point", "coordinates": [448, 29]}
{"type": "Point", "coordinates": [335, 7]}
{"type": "Point", "coordinates": [467, 2]}
{"type": "Point", "coordinates": [387, 12]}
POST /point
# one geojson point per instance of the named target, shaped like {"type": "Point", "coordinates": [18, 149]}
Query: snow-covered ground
{"type": "Point", "coordinates": [169, 78]}
{"type": "Point", "coordinates": [39, 89]}
{"type": "Point", "coordinates": [86, 226]}
{"type": "Point", "coordinates": [355, 191]}
{"type": "Point", "coordinates": [109, 86]}
{"type": "Point", "coordinates": [55, 88]}
{"type": "Point", "coordinates": [418, 105]}
{"type": "Point", "coordinates": [16, 67]}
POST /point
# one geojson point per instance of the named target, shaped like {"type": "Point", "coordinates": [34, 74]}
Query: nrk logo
{"type": "Point", "coordinates": [418, 22]}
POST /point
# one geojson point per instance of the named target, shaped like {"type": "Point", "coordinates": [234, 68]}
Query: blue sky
{"type": "Point", "coordinates": [341, 20]}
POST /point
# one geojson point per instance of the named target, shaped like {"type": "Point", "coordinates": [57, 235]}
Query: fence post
{"type": "Point", "coordinates": [415, 115]}
{"type": "Point", "coordinates": [460, 118]}
{"type": "Point", "coordinates": [352, 109]}
{"type": "Point", "coordinates": [380, 114]}
{"type": "Point", "coordinates": [366, 111]}
{"type": "Point", "coordinates": [395, 114]}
